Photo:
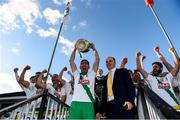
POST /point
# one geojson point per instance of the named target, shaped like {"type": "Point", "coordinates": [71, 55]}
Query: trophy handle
{"type": "Point", "coordinates": [90, 45]}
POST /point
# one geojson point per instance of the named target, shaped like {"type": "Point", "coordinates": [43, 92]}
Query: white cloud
{"type": "Point", "coordinates": [8, 83]}
{"type": "Point", "coordinates": [58, 2]}
{"type": "Point", "coordinates": [88, 2]}
{"type": "Point", "coordinates": [51, 32]}
{"type": "Point", "coordinates": [15, 51]}
{"type": "Point", "coordinates": [80, 25]}
{"type": "Point", "coordinates": [83, 23]}
{"type": "Point", "coordinates": [15, 11]}
{"type": "Point", "coordinates": [52, 16]}
{"type": "Point", "coordinates": [67, 45]}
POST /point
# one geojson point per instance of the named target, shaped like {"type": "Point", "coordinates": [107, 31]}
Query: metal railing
{"type": "Point", "coordinates": [151, 106]}
{"type": "Point", "coordinates": [31, 109]}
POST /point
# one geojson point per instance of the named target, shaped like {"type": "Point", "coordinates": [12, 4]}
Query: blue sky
{"type": "Point", "coordinates": [118, 28]}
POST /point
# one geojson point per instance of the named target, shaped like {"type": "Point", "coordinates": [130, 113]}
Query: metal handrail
{"type": "Point", "coordinates": [28, 109]}
{"type": "Point", "coordinates": [57, 100]}
{"type": "Point", "coordinates": [161, 105]}
{"type": "Point", "coordinates": [16, 105]}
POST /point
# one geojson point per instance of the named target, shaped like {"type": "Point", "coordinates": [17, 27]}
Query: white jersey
{"type": "Point", "coordinates": [31, 90]}
{"type": "Point", "coordinates": [68, 95]}
{"type": "Point", "coordinates": [62, 91]}
{"type": "Point", "coordinates": [79, 92]}
{"type": "Point", "coordinates": [176, 80]}
{"type": "Point", "coordinates": [52, 90]}
{"type": "Point", "coordinates": [160, 87]}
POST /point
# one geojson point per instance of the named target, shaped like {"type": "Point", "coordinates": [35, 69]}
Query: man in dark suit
{"type": "Point", "coordinates": [118, 93]}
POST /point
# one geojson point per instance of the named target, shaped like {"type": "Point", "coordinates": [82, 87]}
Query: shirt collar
{"type": "Point", "coordinates": [113, 69]}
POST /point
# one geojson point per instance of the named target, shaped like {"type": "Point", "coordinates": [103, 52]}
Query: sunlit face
{"type": "Point", "coordinates": [110, 63]}
{"type": "Point", "coordinates": [55, 79]}
{"type": "Point", "coordinates": [33, 79]}
{"type": "Point", "coordinates": [136, 77]}
{"type": "Point", "coordinates": [157, 70]}
{"type": "Point", "coordinates": [84, 66]}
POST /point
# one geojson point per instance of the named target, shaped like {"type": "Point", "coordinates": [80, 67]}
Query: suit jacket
{"type": "Point", "coordinates": [123, 90]}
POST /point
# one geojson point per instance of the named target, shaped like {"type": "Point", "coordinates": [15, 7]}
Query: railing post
{"type": "Point", "coordinates": [43, 105]}
{"type": "Point", "coordinates": [143, 103]}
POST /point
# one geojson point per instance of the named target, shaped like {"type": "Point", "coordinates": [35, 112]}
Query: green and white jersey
{"type": "Point", "coordinates": [162, 86]}
{"type": "Point", "coordinates": [176, 81]}
{"type": "Point", "coordinates": [79, 92]}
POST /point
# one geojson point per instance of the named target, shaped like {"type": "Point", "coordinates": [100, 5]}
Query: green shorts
{"type": "Point", "coordinates": [81, 110]}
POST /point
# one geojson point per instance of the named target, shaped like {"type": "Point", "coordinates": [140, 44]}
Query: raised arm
{"type": "Point", "coordinates": [123, 62]}
{"type": "Point", "coordinates": [163, 60]}
{"type": "Point", "coordinates": [16, 74]}
{"type": "Point", "coordinates": [139, 67]}
{"type": "Point", "coordinates": [39, 81]}
{"type": "Point", "coordinates": [72, 77]}
{"type": "Point", "coordinates": [175, 70]}
{"type": "Point", "coordinates": [97, 59]}
{"type": "Point", "coordinates": [142, 61]}
{"type": "Point", "coordinates": [22, 81]}
{"type": "Point", "coordinates": [72, 58]}
{"type": "Point", "coordinates": [62, 71]}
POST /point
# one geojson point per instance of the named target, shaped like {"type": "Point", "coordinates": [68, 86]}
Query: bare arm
{"type": "Point", "coordinates": [72, 77]}
{"type": "Point", "coordinates": [62, 71]}
{"type": "Point", "coordinates": [63, 98]}
{"type": "Point", "coordinates": [142, 61]}
{"type": "Point", "coordinates": [97, 59]}
{"type": "Point", "coordinates": [72, 58]}
{"type": "Point", "coordinates": [139, 67]}
{"type": "Point", "coordinates": [40, 83]}
{"type": "Point", "coordinates": [17, 77]}
{"type": "Point", "coordinates": [123, 62]}
{"type": "Point", "coordinates": [175, 70]}
{"type": "Point", "coordinates": [163, 60]}
{"type": "Point", "coordinates": [16, 74]}
{"type": "Point", "coordinates": [22, 81]}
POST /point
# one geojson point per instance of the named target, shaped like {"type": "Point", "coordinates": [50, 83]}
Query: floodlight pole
{"type": "Point", "coordinates": [66, 12]}
{"type": "Point", "coordinates": [163, 30]}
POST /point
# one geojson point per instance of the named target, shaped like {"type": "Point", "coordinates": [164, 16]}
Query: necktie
{"type": "Point", "coordinates": [110, 92]}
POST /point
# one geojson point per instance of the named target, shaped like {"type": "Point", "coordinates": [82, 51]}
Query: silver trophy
{"type": "Point", "coordinates": [83, 45]}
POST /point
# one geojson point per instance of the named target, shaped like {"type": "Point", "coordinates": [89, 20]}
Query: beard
{"type": "Point", "coordinates": [156, 72]}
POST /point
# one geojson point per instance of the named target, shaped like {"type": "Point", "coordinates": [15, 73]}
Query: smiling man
{"type": "Point", "coordinates": [82, 106]}
{"type": "Point", "coordinates": [118, 93]}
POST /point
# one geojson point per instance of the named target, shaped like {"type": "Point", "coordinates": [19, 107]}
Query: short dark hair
{"type": "Point", "coordinates": [38, 73]}
{"type": "Point", "coordinates": [55, 75]}
{"type": "Point", "coordinates": [85, 61]}
{"type": "Point", "coordinates": [130, 71]}
{"type": "Point", "coordinates": [32, 77]}
{"type": "Point", "coordinates": [158, 63]}
{"type": "Point", "coordinates": [112, 58]}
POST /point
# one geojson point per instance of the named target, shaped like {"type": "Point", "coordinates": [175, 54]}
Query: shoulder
{"type": "Point", "coordinates": [121, 70]}
{"type": "Point", "coordinates": [92, 74]}
{"type": "Point", "coordinates": [169, 75]}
